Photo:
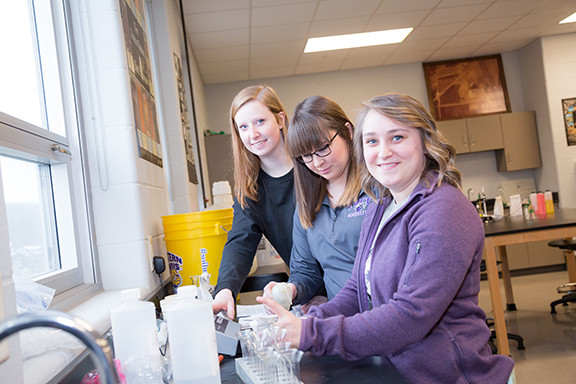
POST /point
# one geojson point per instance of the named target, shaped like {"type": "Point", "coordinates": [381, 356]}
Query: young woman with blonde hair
{"type": "Point", "coordinates": [413, 294]}
{"type": "Point", "coordinates": [263, 188]}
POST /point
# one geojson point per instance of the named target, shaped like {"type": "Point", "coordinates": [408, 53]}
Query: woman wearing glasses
{"type": "Point", "coordinates": [330, 202]}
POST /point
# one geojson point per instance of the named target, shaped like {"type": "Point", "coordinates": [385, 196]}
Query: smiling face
{"type": "Point", "coordinates": [333, 167]}
{"type": "Point", "coordinates": [393, 153]}
{"type": "Point", "coordinates": [259, 130]}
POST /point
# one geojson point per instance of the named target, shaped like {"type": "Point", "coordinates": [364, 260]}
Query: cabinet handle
{"type": "Point", "coordinates": [473, 137]}
{"type": "Point", "coordinates": [509, 158]}
{"type": "Point", "coordinates": [464, 142]}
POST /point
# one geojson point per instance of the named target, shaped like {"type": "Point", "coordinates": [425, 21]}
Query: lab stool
{"type": "Point", "coordinates": [569, 290]}
{"type": "Point", "coordinates": [490, 323]}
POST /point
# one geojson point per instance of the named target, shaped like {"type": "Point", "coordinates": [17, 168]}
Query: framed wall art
{"type": "Point", "coordinates": [568, 106]}
{"type": "Point", "coordinates": [466, 87]}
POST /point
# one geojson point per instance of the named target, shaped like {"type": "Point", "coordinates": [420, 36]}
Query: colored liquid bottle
{"type": "Point", "coordinates": [541, 204]}
{"type": "Point", "coordinates": [549, 202]}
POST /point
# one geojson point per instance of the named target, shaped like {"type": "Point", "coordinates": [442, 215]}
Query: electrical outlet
{"type": "Point", "coordinates": [150, 252]}
{"type": "Point", "coordinates": [4, 344]}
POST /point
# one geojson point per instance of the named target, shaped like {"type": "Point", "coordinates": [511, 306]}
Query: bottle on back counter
{"type": "Point", "coordinates": [534, 201]}
{"type": "Point", "coordinates": [549, 202]}
{"type": "Point", "coordinates": [541, 204]}
{"type": "Point", "coordinates": [134, 328]}
{"type": "Point", "coordinates": [192, 339]}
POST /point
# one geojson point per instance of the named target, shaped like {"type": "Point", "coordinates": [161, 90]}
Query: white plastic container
{"type": "Point", "coordinates": [134, 329]}
{"type": "Point", "coordinates": [192, 339]}
{"type": "Point", "coordinates": [498, 208]}
{"type": "Point", "coordinates": [222, 195]}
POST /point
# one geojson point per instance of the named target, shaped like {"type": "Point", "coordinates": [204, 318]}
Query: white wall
{"type": "Point", "coordinates": [559, 54]}
{"type": "Point", "coordinates": [350, 87]}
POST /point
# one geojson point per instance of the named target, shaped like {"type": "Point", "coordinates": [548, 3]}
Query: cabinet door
{"type": "Point", "coordinates": [485, 133]}
{"type": "Point", "coordinates": [456, 133]}
{"type": "Point", "coordinates": [521, 148]}
{"type": "Point", "coordinates": [517, 256]}
{"type": "Point", "coordinates": [540, 254]}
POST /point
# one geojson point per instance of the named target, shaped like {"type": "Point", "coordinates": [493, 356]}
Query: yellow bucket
{"type": "Point", "coordinates": [195, 242]}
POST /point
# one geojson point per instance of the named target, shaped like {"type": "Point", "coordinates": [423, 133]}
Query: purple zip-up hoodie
{"type": "Point", "coordinates": [425, 279]}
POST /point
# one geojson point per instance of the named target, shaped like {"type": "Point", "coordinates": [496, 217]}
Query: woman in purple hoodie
{"type": "Point", "coordinates": [413, 294]}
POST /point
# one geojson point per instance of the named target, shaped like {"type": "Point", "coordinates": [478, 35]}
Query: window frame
{"type": "Point", "coordinates": [64, 155]}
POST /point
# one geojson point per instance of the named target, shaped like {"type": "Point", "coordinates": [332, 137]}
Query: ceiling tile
{"type": "Point", "coordinates": [223, 66]}
{"type": "Point", "coordinates": [200, 6]}
{"type": "Point", "coordinates": [217, 21]}
{"type": "Point", "coordinates": [490, 48]}
{"type": "Point", "coordinates": [516, 34]}
{"type": "Point", "coordinates": [489, 25]}
{"type": "Point", "coordinates": [219, 39]}
{"type": "Point", "coordinates": [557, 5]}
{"type": "Point", "coordinates": [559, 28]}
{"type": "Point", "coordinates": [410, 57]}
{"type": "Point", "coordinates": [225, 77]}
{"type": "Point", "coordinates": [509, 8]}
{"type": "Point", "coordinates": [363, 63]}
{"type": "Point", "coordinates": [265, 73]}
{"type": "Point", "coordinates": [320, 28]}
{"type": "Point", "coordinates": [279, 48]}
{"type": "Point", "coordinates": [430, 32]}
{"type": "Point", "coordinates": [324, 57]}
{"type": "Point", "coordinates": [282, 14]}
{"type": "Point", "coordinates": [466, 40]}
{"type": "Point", "coordinates": [369, 52]}
{"type": "Point", "coordinates": [279, 33]}
{"type": "Point", "coordinates": [457, 3]}
{"type": "Point", "coordinates": [541, 20]}
{"type": "Point", "coordinates": [339, 9]}
{"type": "Point", "coordinates": [317, 67]}
{"type": "Point", "coordinates": [396, 20]}
{"type": "Point", "coordinates": [274, 61]}
{"type": "Point", "coordinates": [222, 54]}
{"type": "Point", "coordinates": [421, 45]}
{"type": "Point", "coordinates": [451, 53]}
{"type": "Point", "coordinates": [394, 6]}
{"type": "Point", "coordinates": [467, 13]}
{"type": "Point", "coordinates": [267, 3]}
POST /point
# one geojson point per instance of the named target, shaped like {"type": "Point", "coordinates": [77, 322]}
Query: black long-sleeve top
{"type": "Point", "coordinates": [271, 216]}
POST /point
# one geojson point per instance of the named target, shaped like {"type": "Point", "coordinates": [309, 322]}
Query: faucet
{"type": "Point", "coordinates": [470, 190]}
{"type": "Point", "coordinates": [102, 353]}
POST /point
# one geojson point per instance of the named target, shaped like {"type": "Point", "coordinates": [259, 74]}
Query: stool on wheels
{"type": "Point", "coordinates": [490, 323]}
{"type": "Point", "coordinates": [569, 290]}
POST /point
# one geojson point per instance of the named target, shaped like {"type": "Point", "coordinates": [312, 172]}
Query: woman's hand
{"type": "Point", "coordinates": [286, 320]}
{"type": "Point", "coordinates": [317, 300]}
{"type": "Point", "coordinates": [268, 293]}
{"type": "Point", "coordinates": [224, 301]}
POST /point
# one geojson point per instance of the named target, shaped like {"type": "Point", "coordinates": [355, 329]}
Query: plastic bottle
{"type": "Point", "coordinates": [541, 204]}
{"type": "Point", "coordinates": [192, 339]}
{"type": "Point", "coordinates": [549, 202]}
{"type": "Point", "coordinates": [222, 195]}
{"type": "Point", "coordinates": [134, 329]}
{"type": "Point", "coordinates": [534, 201]}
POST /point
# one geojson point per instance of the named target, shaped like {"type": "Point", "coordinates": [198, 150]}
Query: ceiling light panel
{"type": "Point", "coordinates": [355, 40]}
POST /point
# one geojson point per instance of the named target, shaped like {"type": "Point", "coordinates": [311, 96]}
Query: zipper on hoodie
{"type": "Point", "coordinates": [416, 255]}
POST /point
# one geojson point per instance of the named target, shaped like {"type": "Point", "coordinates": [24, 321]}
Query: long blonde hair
{"type": "Point", "coordinates": [247, 164]}
{"type": "Point", "coordinates": [409, 112]}
{"type": "Point", "coordinates": [315, 121]}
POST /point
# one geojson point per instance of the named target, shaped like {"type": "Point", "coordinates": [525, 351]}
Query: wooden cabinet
{"type": "Point", "coordinates": [473, 135]}
{"type": "Point", "coordinates": [533, 254]}
{"type": "Point", "coordinates": [521, 147]}
{"type": "Point", "coordinates": [513, 136]}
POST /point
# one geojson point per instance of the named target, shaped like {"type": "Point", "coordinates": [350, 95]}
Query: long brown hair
{"type": "Point", "coordinates": [315, 121]}
{"type": "Point", "coordinates": [247, 164]}
{"type": "Point", "coordinates": [409, 112]}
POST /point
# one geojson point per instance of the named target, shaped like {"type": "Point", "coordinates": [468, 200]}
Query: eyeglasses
{"type": "Point", "coordinates": [322, 152]}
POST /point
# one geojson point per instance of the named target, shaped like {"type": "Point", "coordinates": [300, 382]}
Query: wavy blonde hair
{"type": "Point", "coordinates": [247, 164]}
{"type": "Point", "coordinates": [315, 120]}
{"type": "Point", "coordinates": [409, 112]}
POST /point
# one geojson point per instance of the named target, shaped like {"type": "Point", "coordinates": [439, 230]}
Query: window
{"type": "Point", "coordinates": [40, 159]}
